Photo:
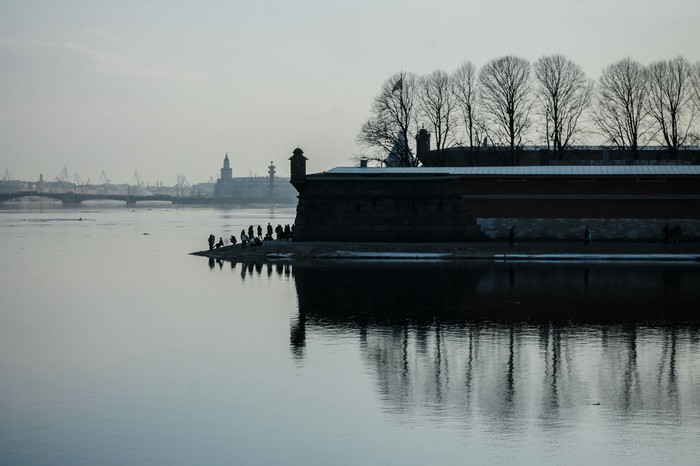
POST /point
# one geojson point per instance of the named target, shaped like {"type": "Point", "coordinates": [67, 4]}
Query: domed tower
{"type": "Point", "coordinates": [226, 172]}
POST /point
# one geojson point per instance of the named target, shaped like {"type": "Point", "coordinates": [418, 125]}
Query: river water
{"type": "Point", "coordinates": [117, 347]}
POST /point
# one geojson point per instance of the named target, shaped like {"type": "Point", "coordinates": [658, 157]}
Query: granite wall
{"type": "Point", "coordinates": [398, 211]}
{"type": "Point", "coordinates": [542, 229]}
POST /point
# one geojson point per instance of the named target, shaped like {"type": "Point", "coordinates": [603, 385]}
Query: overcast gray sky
{"type": "Point", "coordinates": [168, 87]}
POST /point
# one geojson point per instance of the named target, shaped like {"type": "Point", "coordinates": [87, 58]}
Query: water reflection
{"type": "Point", "coordinates": [254, 269]}
{"type": "Point", "coordinates": [511, 341]}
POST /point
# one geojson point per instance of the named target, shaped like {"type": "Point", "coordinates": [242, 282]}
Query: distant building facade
{"type": "Point", "coordinates": [253, 188]}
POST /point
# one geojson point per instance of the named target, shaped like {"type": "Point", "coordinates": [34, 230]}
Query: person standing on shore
{"type": "Point", "coordinates": [667, 233]}
{"type": "Point", "coordinates": [212, 239]}
{"type": "Point", "coordinates": [588, 235]}
{"type": "Point", "coordinates": [676, 234]}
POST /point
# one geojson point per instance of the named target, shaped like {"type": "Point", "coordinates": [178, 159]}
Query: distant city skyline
{"type": "Point", "coordinates": [167, 89]}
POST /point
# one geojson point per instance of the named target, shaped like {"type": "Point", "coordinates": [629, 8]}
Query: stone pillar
{"type": "Point", "coordinates": [69, 198]}
{"type": "Point", "coordinates": [298, 167]}
{"type": "Point", "coordinates": [271, 178]}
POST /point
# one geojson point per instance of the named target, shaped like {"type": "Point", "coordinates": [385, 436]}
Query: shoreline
{"type": "Point", "coordinates": [273, 251]}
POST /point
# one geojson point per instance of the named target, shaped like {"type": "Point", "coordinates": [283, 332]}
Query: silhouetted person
{"type": "Point", "coordinates": [588, 235]}
{"type": "Point", "coordinates": [212, 239]}
{"type": "Point", "coordinates": [259, 231]}
{"type": "Point", "coordinates": [233, 239]}
{"type": "Point", "coordinates": [278, 231]}
{"type": "Point", "coordinates": [676, 234]}
{"type": "Point", "coordinates": [244, 238]}
{"type": "Point", "coordinates": [269, 230]}
{"type": "Point", "coordinates": [511, 236]}
{"type": "Point", "coordinates": [667, 232]}
{"type": "Point", "coordinates": [287, 232]}
{"type": "Point", "coordinates": [220, 243]}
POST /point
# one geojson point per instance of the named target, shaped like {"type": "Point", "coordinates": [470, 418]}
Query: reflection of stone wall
{"type": "Point", "coordinates": [592, 293]}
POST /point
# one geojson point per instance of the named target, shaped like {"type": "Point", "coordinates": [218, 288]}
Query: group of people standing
{"type": "Point", "coordinates": [250, 237]}
{"type": "Point", "coordinates": [672, 235]}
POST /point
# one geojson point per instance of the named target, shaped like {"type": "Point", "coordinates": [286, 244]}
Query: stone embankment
{"type": "Point", "coordinates": [283, 250]}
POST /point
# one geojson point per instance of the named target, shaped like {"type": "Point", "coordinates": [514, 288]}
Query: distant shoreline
{"type": "Point", "coordinates": [206, 201]}
{"type": "Point", "coordinates": [273, 251]}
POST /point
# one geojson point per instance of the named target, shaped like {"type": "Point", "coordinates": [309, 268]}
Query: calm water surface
{"type": "Point", "coordinates": [117, 347]}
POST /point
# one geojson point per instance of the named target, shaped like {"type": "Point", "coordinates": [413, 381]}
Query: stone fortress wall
{"type": "Point", "coordinates": [441, 205]}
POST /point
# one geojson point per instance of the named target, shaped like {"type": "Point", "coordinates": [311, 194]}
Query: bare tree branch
{"type": "Point", "coordinates": [506, 100]}
{"type": "Point", "coordinates": [670, 101]}
{"type": "Point", "coordinates": [564, 94]}
{"type": "Point", "coordinates": [695, 79]}
{"type": "Point", "coordinates": [621, 111]}
{"type": "Point", "coordinates": [465, 87]}
{"type": "Point", "coordinates": [437, 105]}
{"type": "Point", "coordinates": [393, 119]}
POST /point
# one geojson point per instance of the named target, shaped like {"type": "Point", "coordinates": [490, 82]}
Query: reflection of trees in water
{"type": "Point", "coordinates": [269, 269]}
{"type": "Point", "coordinates": [555, 373]}
{"type": "Point", "coordinates": [500, 340]}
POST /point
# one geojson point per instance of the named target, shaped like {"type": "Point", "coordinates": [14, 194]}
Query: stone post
{"type": "Point", "coordinates": [298, 167]}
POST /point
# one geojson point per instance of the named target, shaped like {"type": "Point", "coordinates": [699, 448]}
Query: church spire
{"type": "Point", "coordinates": [226, 172]}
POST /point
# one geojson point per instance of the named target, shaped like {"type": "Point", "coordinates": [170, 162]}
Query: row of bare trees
{"type": "Point", "coordinates": [510, 102]}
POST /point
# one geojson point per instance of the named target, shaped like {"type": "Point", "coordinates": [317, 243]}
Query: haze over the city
{"type": "Point", "coordinates": [169, 87]}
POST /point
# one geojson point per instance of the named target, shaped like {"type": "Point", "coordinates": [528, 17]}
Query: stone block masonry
{"type": "Point", "coordinates": [604, 229]}
{"type": "Point", "coordinates": [371, 210]}
{"type": "Point", "coordinates": [453, 204]}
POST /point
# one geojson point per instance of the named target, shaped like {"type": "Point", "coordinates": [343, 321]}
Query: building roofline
{"type": "Point", "coordinates": [532, 170]}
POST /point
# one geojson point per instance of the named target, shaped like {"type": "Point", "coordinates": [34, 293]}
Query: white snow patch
{"type": "Point", "coordinates": [280, 255]}
{"type": "Point", "coordinates": [598, 257]}
{"type": "Point", "coordinates": [384, 255]}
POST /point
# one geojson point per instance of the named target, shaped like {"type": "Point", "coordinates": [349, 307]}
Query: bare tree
{"type": "Point", "coordinates": [437, 105]}
{"type": "Point", "coordinates": [621, 112]}
{"type": "Point", "coordinates": [564, 93]}
{"type": "Point", "coordinates": [465, 90]}
{"type": "Point", "coordinates": [670, 101]}
{"type": "Point", "coordinates": [386, 133]}
{"type": "Point", "coordinates": [695, 80]}
{"type": "Point", "coordinates": [506, 100]}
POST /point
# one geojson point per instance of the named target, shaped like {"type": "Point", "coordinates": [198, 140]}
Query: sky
{"type": "Point", "coordinates": [168, 87]}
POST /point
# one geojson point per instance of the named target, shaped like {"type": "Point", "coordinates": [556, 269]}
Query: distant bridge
{"type": "Point", "coordinates": [71, 198]}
